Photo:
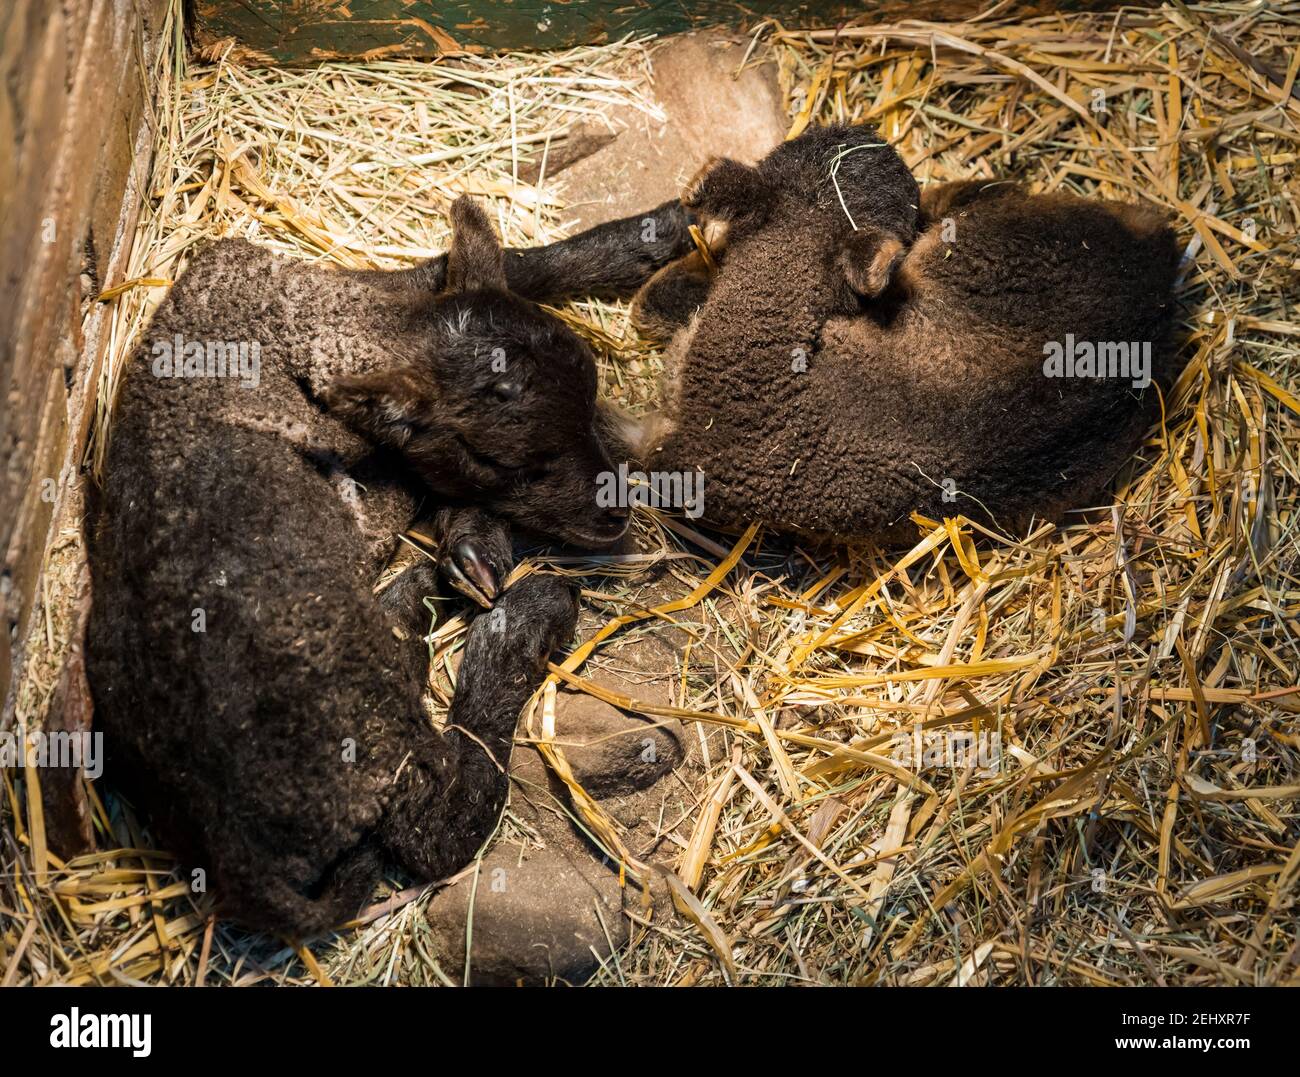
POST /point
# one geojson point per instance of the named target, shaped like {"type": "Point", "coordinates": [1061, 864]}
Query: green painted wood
{"type": "Point", "coordinates": [299, 31]}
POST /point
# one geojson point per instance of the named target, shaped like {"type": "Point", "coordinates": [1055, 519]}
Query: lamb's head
{"type": "Point", "coordinates": [501, 409]}
{"type": "Point", "coordinates": [842, 189]}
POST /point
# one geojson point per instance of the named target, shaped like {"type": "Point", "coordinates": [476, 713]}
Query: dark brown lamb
{"type": "Point", "coordinates": [863, 353]}
{"type": "Point", "coordinates": [253, 692]}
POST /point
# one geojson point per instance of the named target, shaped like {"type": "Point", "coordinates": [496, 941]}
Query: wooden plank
{"type": "Point", "coordinates": [71, 110]}
{"type": "Point", "coordinates": [302, 31]}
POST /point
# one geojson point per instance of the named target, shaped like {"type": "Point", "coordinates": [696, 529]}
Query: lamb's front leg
{"type": "Point", "coordinates": [450, 791]}
{"type": "Point", "coordinates": [669, 299]}
{"type": "Point", "coordinates": [613, 259]}
{"type": "Point", "coordinates": [475, 555]}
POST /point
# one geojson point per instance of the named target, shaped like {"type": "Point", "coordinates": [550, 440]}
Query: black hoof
{"type": "Point", "coordinates": [470, 567]}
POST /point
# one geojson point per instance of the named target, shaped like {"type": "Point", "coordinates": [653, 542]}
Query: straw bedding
{"type": "Point", "coordinates": [1131, 675]}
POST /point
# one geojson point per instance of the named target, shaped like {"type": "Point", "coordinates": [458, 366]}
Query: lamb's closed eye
{"type": "Point", "coordinates": [505, 391]}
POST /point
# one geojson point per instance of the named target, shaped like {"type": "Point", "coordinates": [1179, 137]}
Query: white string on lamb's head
{"type": "Point", "coordinates": [844, 151]}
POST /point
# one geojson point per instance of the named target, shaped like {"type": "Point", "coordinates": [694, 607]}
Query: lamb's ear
{"type": "Point", "coordinates": [727, 195]}
{"type": "Point", "coordinates": [475, 260]}
{"type": "Point", "coordinates": [387, 406]}
{"type": "Point", "coordinates": [869, 259]}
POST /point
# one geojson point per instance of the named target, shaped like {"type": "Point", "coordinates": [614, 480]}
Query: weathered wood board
{"type": "Point", "coordinates": [299, 31]}
{"type": "Point", "coordinates": [72, 107]}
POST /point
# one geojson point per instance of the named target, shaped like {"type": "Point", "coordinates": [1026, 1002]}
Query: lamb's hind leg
{"type": "Point", "coordinates": [451, 788]}
{"type": "Point", "coordinates": [669, 299]}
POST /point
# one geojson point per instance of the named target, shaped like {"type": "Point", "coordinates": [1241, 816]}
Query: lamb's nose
{"type": "Point", "coordinates": [618, 513]}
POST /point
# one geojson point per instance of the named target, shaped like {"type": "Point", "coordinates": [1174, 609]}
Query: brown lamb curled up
{"type": "Point", "coordinates": [851, 363]}
{"type": "Point", "coordinates": [278, 426]}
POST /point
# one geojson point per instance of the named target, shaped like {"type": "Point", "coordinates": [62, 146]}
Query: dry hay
{"type": "Point", "coordinates": [1138, 664]}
